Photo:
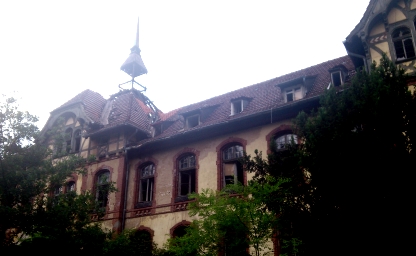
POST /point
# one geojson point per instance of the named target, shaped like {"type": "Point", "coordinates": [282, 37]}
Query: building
{"type": "Point", "coordinates": [157, 158]}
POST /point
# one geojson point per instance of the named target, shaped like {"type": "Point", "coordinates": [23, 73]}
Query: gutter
{"type": "Point", "coordinates": [266, 111]}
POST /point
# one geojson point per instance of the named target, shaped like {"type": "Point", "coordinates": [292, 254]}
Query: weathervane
{"type": "Point", "coordinates": [134, 65]}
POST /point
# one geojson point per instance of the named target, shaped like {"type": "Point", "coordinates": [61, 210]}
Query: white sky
{"type": "Point", "coordinates": [193, 50]}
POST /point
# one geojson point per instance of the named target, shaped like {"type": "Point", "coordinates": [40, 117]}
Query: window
{"type": "Point", "coordinates": [57, 191]}
{"type": "Point", "coordinates": [403, 44]}
{"type": "Point", "coordinates": [102, 188]}
{"type": "Point", "coordinates": [232, 169]}
{"type": "Point", "coordinates": [294, 93]}
{"type": "Point", "coordinates": [186, 179]}
{"type": "Point", "coordinates": [77, 142]}
{"type": "Point", "coordinates": [68, 140]}
{"type": "Point", "coordinates": [192, 121]}
{"type": "Point", "coordinates": [70, 186]}
{"type": "Point", "coordinates": [146, 185]}
{"type": "Point", "coordinates": [336, 78]}
{"type": "Point", "coordinates": [283, 140]}
{"type": "Point", "coordinates": [238, 106]}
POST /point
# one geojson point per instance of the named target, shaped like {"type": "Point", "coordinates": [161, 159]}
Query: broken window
{"type": "Point", "coordinates": [146, 185]}
{"type": "Point", "coordinates": [292, 94]}
{"type": "Point", "coordinates": [403, 44]}
{"type": "Point", "coordinates": [186, 177]}
{"type": "Point", "coordinates": [336, 78]}
{"type": "Point", "coordinates": [70, 186]}
{"type": "Point", "coordinates": [232, 170]}
{"type": "Point", "coordinates": [192, 121]}
{"type": "Point", "coordinates": [238, 106]}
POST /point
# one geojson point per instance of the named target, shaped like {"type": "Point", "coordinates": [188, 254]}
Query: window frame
{"type": "Point", "coordinates": [150, 180]}
{"type": "Point", "coordinates": [287, 139]}
{"type": "Point", "coordinates": [102, 193]}
{"type": "Point", "coordinates": [238, 106]}
{"type": "Point", "coordinates": [231, 141]}
{"type": "Point", "coordinates": [190, 170]}
{"type": "Point", "coordinates": [233, 163]}
{"type": "Point", "coordinates": [188, 119]}
{"type": "Point", "coordinates": [398, 42]}
{"type": "Point", "coordinates": [292, 91]}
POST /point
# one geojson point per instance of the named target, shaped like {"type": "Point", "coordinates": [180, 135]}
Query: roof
{"type": "Point", "coordinates": [262, 96]}
{"type": "Point", "coordinates": [92, 101]}
{"type": "Point", "coordinates": [133, 108]}
{"type": "Point", "coordinates": [374, 8]}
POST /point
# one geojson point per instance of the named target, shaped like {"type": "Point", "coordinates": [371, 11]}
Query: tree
{"type": "Point", "coordinates": [358, 148]}
{"type": "Point", "coordinates": [227, 222]}
{"type": "Point", "coordinates": [30, 217]}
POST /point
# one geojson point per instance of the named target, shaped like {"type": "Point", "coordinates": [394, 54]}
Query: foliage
{"type": "Point", "coordinates": [30, 216]}
{"type": "Point", "coordinates": [131, 242]}
{"type": "Point", "coordinates": [283, 186]}
{"type": "Point", "coordinates": [227, 222]}
{"type": "Point", "coordinates": [358, 148]}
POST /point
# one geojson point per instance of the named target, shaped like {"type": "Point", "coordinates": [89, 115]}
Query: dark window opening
{"type": "Point", "coordinates": [179, 231]}
{"type": "Point", "coordinates": [77, 143]}
{"type": "Point", "coordinates": [238, 106]}
{"type": "Point", "coordinates": [192, 121]}
{"type": "Point", "coordinates": [146, 185]}
{"type": "Point", "coordinates": [232, 170]}
{"type": "Point", "coordinates": [186, 177]}
{"type": "Point", "coordinates": [293, 94]}
{"type": "Point", "coordinates": [141, 240]}
{"type": "Point", "coordinates": [57, 191]}
{"type": "Point", "coordinates": [70, 187]}
{"type": "Point", "coordinates": [336, 78]}
{"type": "Point", "coordinates": [68, 140]}
{"type": "Point", "coordinates": [403, 44]}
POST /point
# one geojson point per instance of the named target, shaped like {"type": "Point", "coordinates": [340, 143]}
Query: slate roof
{"type": "Point", "coordinates": [131, 107]}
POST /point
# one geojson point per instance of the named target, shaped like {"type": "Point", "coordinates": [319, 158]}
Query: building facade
{"type": "Point", "coordinates": [156, 159]}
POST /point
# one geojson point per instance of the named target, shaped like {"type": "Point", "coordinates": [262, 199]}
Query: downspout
{"type": "Point", "coordinates": [126, 185]}
{"type": "Point", "coordinates": [359, 56]}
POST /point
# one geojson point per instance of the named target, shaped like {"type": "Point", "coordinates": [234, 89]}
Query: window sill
{"type": "Point", "coordinates": [143, 204]}
{"type": "Point", "coordinates": [405, 60]}
{"type": "Point", "coordinates": [179, 199]}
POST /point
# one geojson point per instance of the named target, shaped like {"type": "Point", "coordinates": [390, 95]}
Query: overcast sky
{"type": "Point", "coordinates": [193, 50]}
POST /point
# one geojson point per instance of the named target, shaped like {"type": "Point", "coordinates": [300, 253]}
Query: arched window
{"type": "Point", "coordinates": [102, 188]}
{"type": "Point", "coordinates": [403, 44]}
{"type": "Point", "coordinates": [283, 140]}
{"type": "Point", "coordinates": [232, 170]}
{"type": "Point", "coordinates": [186, 176]}
{"type": "Point", "coordinates": [142, 241]}
{"type": "Point", "coordinates": [146, 185]}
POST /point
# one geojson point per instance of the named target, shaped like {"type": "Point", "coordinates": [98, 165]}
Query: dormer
{"type": "Point", "coordinates": [238, 105]}
{"type": "Point", "coordinates": [296, 89]}
{"type": "Point", "coordinates": [338, 75]}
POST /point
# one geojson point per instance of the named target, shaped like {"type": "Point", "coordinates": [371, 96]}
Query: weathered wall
{"type": "Point", "coordinates": [164, 216]}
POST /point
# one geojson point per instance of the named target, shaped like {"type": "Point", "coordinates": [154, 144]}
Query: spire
{"type": "Point", "coordinates": [134, 65]}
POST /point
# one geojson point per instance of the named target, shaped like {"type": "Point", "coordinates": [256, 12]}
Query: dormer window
{"type": "Point", "coordinates": [294, 93]}
{"type": "Point", "coordinates": [403, 44]}
{"type": "Point", "coordinates": [336, 78]}
{"type": "Point", "coordinates": [238, 106]}
{"type": "Point", "coordinates": [192, 121]}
